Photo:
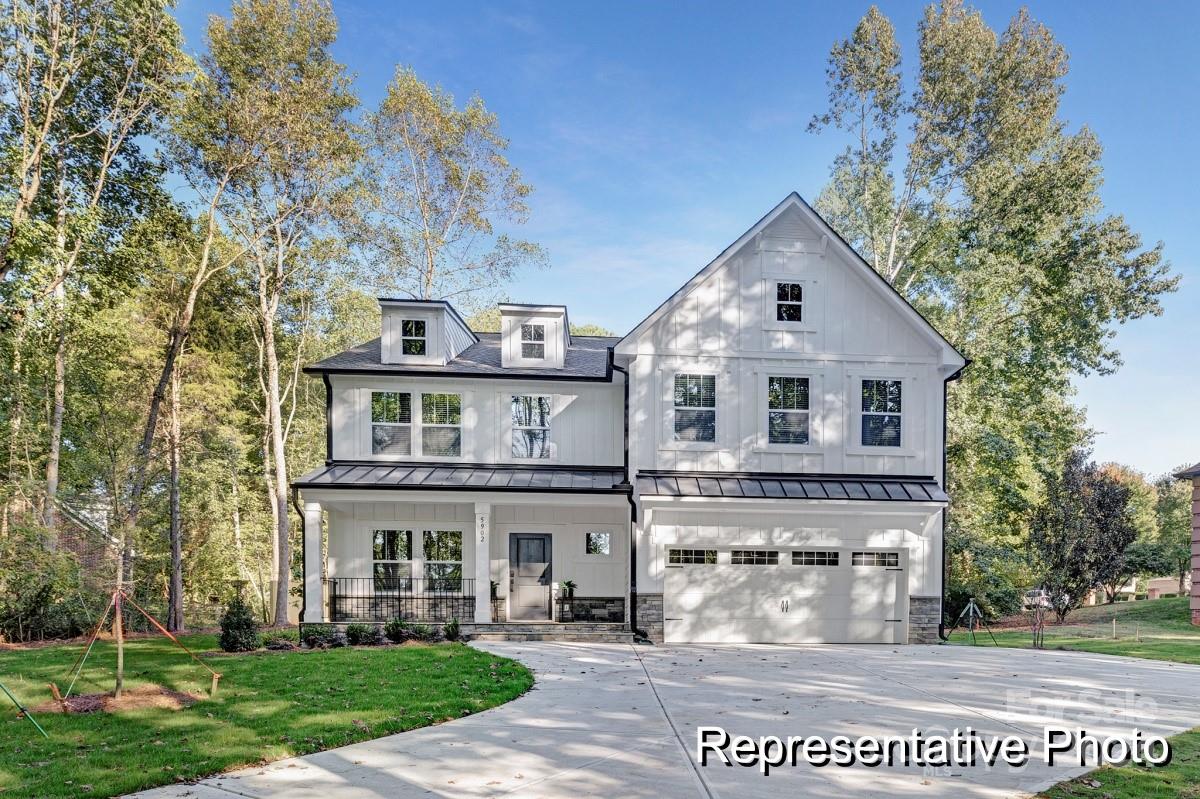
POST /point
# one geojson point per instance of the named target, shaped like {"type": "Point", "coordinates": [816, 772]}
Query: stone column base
{"type": "Point", "coordinates": [650, 616]}
{"type": "Point", "coordinates": [924, 616]}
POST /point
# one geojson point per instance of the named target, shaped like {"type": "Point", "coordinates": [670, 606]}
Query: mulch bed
{"type": "Point", "coordinates": [137, 698]}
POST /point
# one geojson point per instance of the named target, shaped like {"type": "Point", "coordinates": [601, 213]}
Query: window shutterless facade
{"type": "Point", "coordinates": [695, 398]}
{"type": "Point", "coordinates": [391, 423]}
{"type": "Point", "coordinates": [787, 410]}
{"type": "Point", "coordinates": [754, 557]}
{"type": "Point", "coordinates": [391, 559]}
{"type": "Point", "coordinates": [691, 557]}
{"type": "Point", "coordinates": [533, 342]}
{"type": "Point", "coordinates": [597, 542]}
{"type": "Point", "coordinates": [443, 559]}
{"type": "Point", "coordinates": [530, 427]}
{"type": "Point", "coordinates": [886, 559]}
{"type": "Point", "coordinates": [809, 557]}
{"type": "Point", "coordinates": [441, 424]}
{"type": "Point", "coordinates": [882, 417]}
{"type": "Point", "coordinates": [789, 302]}
{"type": "Point", "coordinates": [412, 337]}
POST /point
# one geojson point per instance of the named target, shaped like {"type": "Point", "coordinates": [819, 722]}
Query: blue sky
{"type": "Point", "coordinates": [656, 133]}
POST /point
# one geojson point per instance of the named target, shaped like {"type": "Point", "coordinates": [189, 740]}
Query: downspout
{"type": "Point", "coordinates": [328, 418]}
{"type": "Point", "coordinates": [945, 485]}
{"type": "Point", "coordinates": [303, 564]}
{"type": "Point", "coordinates": [632, 503]}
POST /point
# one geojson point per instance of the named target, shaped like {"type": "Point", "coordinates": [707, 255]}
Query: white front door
{"type": "Point", "coordinates": [861, 599]}
{"type": "Point", "coordinates": [530, 574]}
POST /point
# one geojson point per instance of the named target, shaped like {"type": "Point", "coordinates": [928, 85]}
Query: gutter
{"type": "Point", "coordinates": [945, 482]}
{"type": "Point", "coordinates": [328, 418]}
{"type": "Point", "coordinates": [633, 592]}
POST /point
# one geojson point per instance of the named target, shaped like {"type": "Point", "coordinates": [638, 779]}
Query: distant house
{"type": "Point", "coordinates": [1193, 475]}
{"type": "Point", "coordinates": [759, 460]}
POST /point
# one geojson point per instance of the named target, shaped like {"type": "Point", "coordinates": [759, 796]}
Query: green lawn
{"type": "Point", "coordinates": [1162, 625]}
{"type": "Point", "coordinates": [1178, 780]}
{"type": "Point", "coordinates": [270, 705]}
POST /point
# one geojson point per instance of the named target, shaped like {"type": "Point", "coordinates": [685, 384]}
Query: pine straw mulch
{"type": "Point", "coordinates": [138, 698]}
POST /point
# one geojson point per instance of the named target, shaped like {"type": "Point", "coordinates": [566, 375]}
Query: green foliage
{"type": "Point", "coordinates": [451, 630]}
{"type": "Point", "coordinates": [995, 576]}
{"type": "Point", "coordinates": [281, 639]}
{"type": "Point", "coordinates": [993, 227]}
{"type": "Point", "coordinates": [268, 708]}
{"type": "Point", "coordinates": [1173, 515]}
{"type": "Point", "coordinates": [41, 591]}
{"type": "Point", "coordinates": [365, 635]}
{"type": "Point", "coordinates": [239, 629]}
{"type": "Point", "coordinates": [323, 636]}
{"type": "Point", "coordinates": [426, 632]}
{"type": "Point", "coordinates": [398, 631]}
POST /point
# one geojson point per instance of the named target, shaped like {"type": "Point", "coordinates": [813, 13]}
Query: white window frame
{"type": "Point", "coordinates": [668, 379]}
{"type": "Point", "coordinates": [375, 528]}
{"type": "Point", "coordinates": [806, 412]}
{"type": "Point", "coordinates": [909, 407]}
{"type": "Point", "coordinates": [424, 338]}
{"type": "Point", "coordinates": [462, 444]}
{"type": "Point", "coordinates": [608, 534]}
{"type": "Point", "coordinates": [426, 561]}
{"type": "Point", "coordinates": [801, 303]}
{"type": "Point", "coordinates": [522, 341]}
{"type": "Point", "coordinates": [372, 424]}
{"type": "Point", "coordinates": [876, 559]}
{"type": "Point", "coordinates": [687, 556]}
{"type": "Point", "coordinates": [815, 418]}
{"type": "Point", "coordinates": [810, 287]}
{"type": "Point", "coordinates": [513, 429]}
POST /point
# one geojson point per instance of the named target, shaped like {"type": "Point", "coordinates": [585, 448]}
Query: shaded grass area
{"type": "Point", "coordinates": [1162, 625]}
{"type": "Point", "coordinates": [270, 705]}
{"type": "Point", "coordinates": [1180, 779]}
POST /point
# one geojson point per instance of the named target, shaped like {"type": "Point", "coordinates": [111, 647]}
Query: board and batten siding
{"type": "Point", "coordinates": [586, 428]}
{"type": "Point", "coordinates": [726, 326]}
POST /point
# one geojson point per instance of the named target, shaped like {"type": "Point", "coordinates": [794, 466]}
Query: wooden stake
{"type": "Point", "coordinates": [1114, 628]}
{"type": "Point", "coordinates": [1137, 632]}
{"type": "Point", "coordinates": [216, 679]}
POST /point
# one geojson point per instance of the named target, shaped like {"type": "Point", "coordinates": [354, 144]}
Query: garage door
{"type": "Point", "coordinates": [785, 596]}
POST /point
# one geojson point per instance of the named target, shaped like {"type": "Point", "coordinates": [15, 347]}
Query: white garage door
{"type": "Point", "coordinates": [789, 595]}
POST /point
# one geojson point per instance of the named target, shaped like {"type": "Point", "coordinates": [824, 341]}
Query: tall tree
{"type": "Point", "coordinates": [433, 188]}
{"type": "Point", "coordinates": [989, 221]}
{"type": "Point", "coordinates": [278, 207]}
{"type": "Point", "coordinates": [1173, 512]}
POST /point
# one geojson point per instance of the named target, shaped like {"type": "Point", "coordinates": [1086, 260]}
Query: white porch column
{"type": "Point", "coordinates": [483, 562]}
{"type": "Point", "coordinates": [314, 599]}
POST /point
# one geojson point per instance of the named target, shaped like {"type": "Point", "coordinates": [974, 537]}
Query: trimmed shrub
{"type": "Point", "coordinates": [282, 640]}
{"type": "Point", "coordinates": [398, 631]}
{"type": "Point", "coordinates": [452, 631]}
{"type": "Point", "coordinates": [357, 633]}
{"type": "Point", "coordinates": [239, 629]}
{"type": "Point", "coordinates": [322, 636]}
{"type": "Point", "coordinates": [423, 632]}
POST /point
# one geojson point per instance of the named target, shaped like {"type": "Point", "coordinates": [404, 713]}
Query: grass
{"type": "Point", "coordinates": [1162, 625]}
{"type": "Point", "coordinates": [270, 705]}
{"type": "Point", "coordinates": [1180, 779]}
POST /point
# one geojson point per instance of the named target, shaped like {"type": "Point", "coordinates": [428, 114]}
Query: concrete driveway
{"type": "Point", "coordinates": [618, 721]}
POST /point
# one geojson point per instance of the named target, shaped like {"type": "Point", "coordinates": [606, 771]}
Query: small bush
{"type": "Point", "coordinates": [239, 630]}
{"type": "Point", "coordinates": [452, 631]}
{"type": "Point", "coordinates": [424, 632]}
{"type": "Point", "coordinates": [323, 635]}
{"type": "Point", "coordinates": [281, 639]}
{"type": "Point", "coordinates": [357, 633]}
{"type": "Point", "coordinates": [398, 631]}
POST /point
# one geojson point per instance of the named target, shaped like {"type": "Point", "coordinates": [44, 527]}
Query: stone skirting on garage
{"type": "Point", "coordinates": [649, 619]}
{"type": "Point", "coordinates": [924, 616]}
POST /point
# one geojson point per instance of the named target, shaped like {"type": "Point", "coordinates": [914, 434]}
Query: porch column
{"type": "Point", "coordinates": [483, 562]}
{"type": "Point", "coordinates": [314, 599]}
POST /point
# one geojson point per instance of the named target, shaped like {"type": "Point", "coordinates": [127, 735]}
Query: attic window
{"type": "Point", "coordinates": [789, 302]}
{"type": "Point", "coordinates": [533, 342]}
{"type": "Point", "coordinates": [412, 337]}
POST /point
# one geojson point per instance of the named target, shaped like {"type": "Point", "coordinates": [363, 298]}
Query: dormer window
{"type": "Point", "coordinates": [412, 337]}
{"type": "Point", "coordinates": [533, 342]}
{"type": "Point", "coordinates": [789, 302]}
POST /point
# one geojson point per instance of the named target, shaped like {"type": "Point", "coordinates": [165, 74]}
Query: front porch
{"type": "Point", "coordinates": [534, 561]}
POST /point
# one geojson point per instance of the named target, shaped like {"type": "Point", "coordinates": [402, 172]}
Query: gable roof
{"type": "Point", "coordinates": [1189, 473]}
{"type": "Point", "coordinates": [870, 276]}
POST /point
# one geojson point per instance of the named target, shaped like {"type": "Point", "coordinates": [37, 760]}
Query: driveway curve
{"type": "Point", "coordinates": [620, 721]}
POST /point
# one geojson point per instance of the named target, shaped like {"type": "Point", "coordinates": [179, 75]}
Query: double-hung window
{"type": "Point", "coordinates": [441, 424]}
{"type": "Point", "coordinates": [787, 410]}
{"type": "Point", "coordinates": [443, 560]}
{"type": "Point", "coordinates": [391, 423]}
{"type": "Point", "coordinates": [789, 302]}
{"type": "Point", "coordinates": [533, 342]}
{"type": "Point", "coordinates": [695, 399]}
{"type": "Point", "coordinates": [530, 427]}
{"type": "Point", "coordinates": [412, 337]}
{"type": "Point", "coordinates": [881, 413]}
{"type": "Point", "coordinates": [391, 556]}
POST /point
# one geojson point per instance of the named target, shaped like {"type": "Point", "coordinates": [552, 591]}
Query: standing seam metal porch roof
{"type": "Point", "coordinates": [467, 477]}
{"type": "Point", "coordinates": [869, 488]}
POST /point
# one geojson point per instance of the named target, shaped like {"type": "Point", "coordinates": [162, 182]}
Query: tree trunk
{"type": "Point", "coordinates": [59, 316]}
{"type": "Point", "coordinates": [13, 503]}
{"type": "Point", "coordinates": [175, 591]}
{"type": "Point", "coordinates": [279, 462]}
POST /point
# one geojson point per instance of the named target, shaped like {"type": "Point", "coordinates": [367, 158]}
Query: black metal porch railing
{"type": "Point", "coordinates": [590, 608]}
{"type": "Point", "coordinates": [420, 599]}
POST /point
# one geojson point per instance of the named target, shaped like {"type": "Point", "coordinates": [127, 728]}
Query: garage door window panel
{"type": "Point", "coordinates": [882, 559]}
{"type": "Point", "coordinates": [814, 558]}
{"type": "Point", "coordinates": [692, 557]}
{"type": "Point", "coordinates": [754, 557]}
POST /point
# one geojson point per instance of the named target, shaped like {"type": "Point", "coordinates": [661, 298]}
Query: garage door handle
{"type": "Point", "coordinates": [895, 569]}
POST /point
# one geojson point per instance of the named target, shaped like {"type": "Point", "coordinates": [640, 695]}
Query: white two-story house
{"type": "Point", "coordinates": [760, 460]}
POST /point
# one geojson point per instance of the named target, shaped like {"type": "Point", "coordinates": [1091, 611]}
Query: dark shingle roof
{"type": "Point", "coordinates": [1189, 473]}
{"type": "Point", "coordinates": [469, 477]}
{"type": "Point", "coordinates": [790, 486]}
{"type": "Point", "coordinates": [586, 359]}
